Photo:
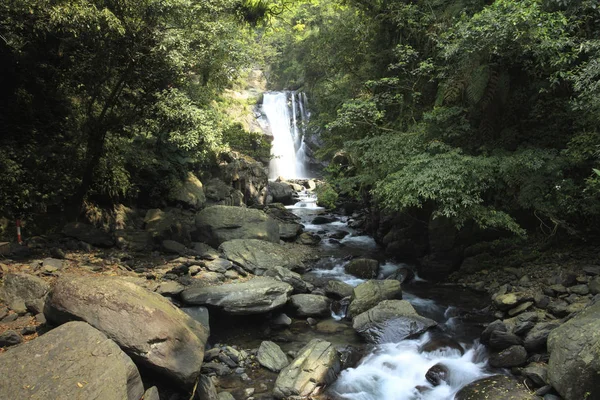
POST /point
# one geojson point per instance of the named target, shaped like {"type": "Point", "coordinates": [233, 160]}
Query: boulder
{"type": "Point", "coordinates": [256, 296]}
{"type": "Point", "coordinates": [220, 224]}
{"type": "Point", "coordinates": [364, 268]}
{"type": "Point", "coordinates": [271, 356]}
{"type": "Point", "coordinates": [437, 374]}
{"type": "Point", "coordinates": [287, 276]}
{"type": "Point", "coordinates": [199, 314]}
{"type": "Point", "coordinates": [368, 294]}
{"type": "Point", "coordinates": [502, 340]}
{"type": "Point", "coordinates": [258, 256]}
{"type": "Point", "coordinates": [134, 240]}
{"type": "Point", "coordinates": [73, 361]}
{"type": "Point", "coordinates": [289, 230]}
{"type": "Point", "coordinates": [512, 356]}
{"type": "Point", "coordinates": [19, 290]}
{"type": "Point", "coordinates": [497, 387]}
{"type": "Point", "coordinates": [309, 239]}
{"type": "Point", "coordinates": [574, 366]}
{"type": "Point", "coordinates": [189, 193]}
{"type": "Point", "coordinates": [89, 234]}
{"type": "Point", "coordinates": [171, 224]}
{"type": "Point", "coordinates": [311, 305]}
{"type": "Point", "coordinates": [317, 364]}
{"type": "Point", "coordinates": [536, 372]}
{"type": "Point", "coordinates": [390, 321]}
{"type": "Point", "coordinates": [511, 300]}
{"type": "Point", "coordinates": [282, 192]}
{"type": "Point", "coordinates": [338, 289]}
{"type": "Point", "coordinates": [536, 338]}
{"type": "Point", "coordinates": [206, 389]}
{"type": "Point", "coordinates": [147, 326]}
{"type": "Point", "coordinates": [216, 191]}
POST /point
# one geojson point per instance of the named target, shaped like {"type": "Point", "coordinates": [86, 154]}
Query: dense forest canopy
{"type": "Point", "coordinates": [484, 111]}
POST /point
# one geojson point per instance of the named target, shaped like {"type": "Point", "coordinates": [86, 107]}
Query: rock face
{"type": "Point", "coordinates": [190, 193]}
{"type": "Point", "coordinates": [364, 268]}
{"type": "Point", "coordinates": [73, 361]}
{"type": "Point", "coordinates": [258, 256]}
{"type": "Point", "coordinates": [390, 321]}
{"type": "Point", "coordinates": [19, 290]}
{"type": "Point", "coordinates": [317, 364]}
{"type": "Point", "coordinates": [89, 234]}
{"type": "Point", "coordinates": [271, 357]}
{"type": "Point", "coordinates": [574, 366]}
{"type": "Point", "coordinates": [148, 327]}
{"type": "Point", "coordinates": [368, 294]}
{"type": "Point", "coordinates": [220, 224]}
{"type": "Point", "coordinates": [311, 305]}
{"type": "Point", "coordinates": [497, 387]}
{"type": "Point", "coordinates": [256, 296]}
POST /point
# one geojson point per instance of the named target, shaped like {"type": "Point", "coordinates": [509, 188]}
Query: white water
{"type": "Point", "coordinates": [287, 115]}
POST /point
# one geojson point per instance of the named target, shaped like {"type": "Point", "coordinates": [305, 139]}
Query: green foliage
{"type": "Point", "coordinates": [253, 144]}
{"type": "Point", "coordinates": [326, 195]}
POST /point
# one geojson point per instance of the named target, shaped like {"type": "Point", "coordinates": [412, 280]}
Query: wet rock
{"type": "Point", "coordinates": [311, 305]}
{"type": "Point", "coordinates": [536, 372]}
{"type": "Point", "coordinates": [151, 394]}
{"type": "Point", "coordinates": [309, 239]}
{"type": "Point", "coordinates": [511, 300]}
{"type": "Point", "coordinates": [146, 325]}
{"type": "Point", "coordinates": [317, 364]}
{"type": "Point", "coordinates": [287, 276]}
{"type": "Point", "coordinates": [330, 326]}
{"type": "Point", "coordinates": [10, 338]}
{"type": "Point", "coordinates": [497, 387]}
{"type": "Point", "coordinates": [19, 289]}
{"type": "Point", "coordinates": [271, 357]}
{"type": "Point", "coordinates": [189, 193]}
{"type": "Point", "coordinates": [513, 356]}
{"type": "Point", "coordinates": [206, 389]}
{"type": "Point", "coordinates": [258, 256]}
{"type": "Point", "coordinates": [89, 234]}
{"type": "Point", "coordinates": [390, 321]}
{"type": "Point", "coordinates": [536, 338]}
{"type": "Point", "coordinates": [339, 235]}
{"type": "Point", "coordinates": [364, 268]}
{"type": "Point", "coordinates": [368, 294]}
{"type": "Point", "coordinates": [338, 289]}
{"type": "Point", "coordinates": [574, 347]}
{"type": "Point", "coordinates": [442, 343]}
{"type": "Point", "coordinates": [323, 219]}
{"type": "Point", "coordinates": [496, 326]}
{"type": "Point", "coordinates": [502, 340]}
{"type": "Point", "coordinates": [437, 374]}
{"type": "Point", "coordinates": [282, 192]}
{"type": "Point", "coordinates": [256, 296]}
{"type": "Point", "coordinates": [73, 361]}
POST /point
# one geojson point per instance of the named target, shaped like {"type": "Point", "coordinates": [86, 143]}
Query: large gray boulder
{"type": "Point", "coordinates": [574, 366]}
{"type": "Point", "coordinates": [311, 305]}
{"type": "Point", "coordinates": [147, 326]}
{"type": "Point", "coordinates": [189, 192]}
{"type": "Point", "coordinates": [89, 234]}
{"type": "Point", "coordinates": [21, 290]}
{"type": "Point", "coordinates": [73, 361]}
{"type": "Point", "coordinates": [497, 387]}
{"type": "Point", "coordinates": [271, 356]}
{"type": "Point", "coordinates": [258, 256]}
{"type": "Point", "coordinates": [390, 321]}
{"type": "Point", "coordinates": [219, 224]}
{"type": "Point", "coordinates": [317, 364]}
{"type": "Point", "coordinates": [365, 268]}
{"type": "Point", "coordinates": [289, 228]}
{"type": "Point", "coordinates": [256, 296]}
{"type": "Point", "coordinates": [282, 192]}
{"type": "Point", "coordinates": [368, 294]}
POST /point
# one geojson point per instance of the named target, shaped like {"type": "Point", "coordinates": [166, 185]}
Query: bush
{"type": "Point", "coordinates": [327, 196]}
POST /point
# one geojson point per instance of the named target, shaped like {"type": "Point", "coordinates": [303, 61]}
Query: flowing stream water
{"type": "Point", "coordinates": [394, 370]}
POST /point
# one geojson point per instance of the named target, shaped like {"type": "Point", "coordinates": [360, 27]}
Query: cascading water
{"type": "Point", "coordinates": [286, 114]}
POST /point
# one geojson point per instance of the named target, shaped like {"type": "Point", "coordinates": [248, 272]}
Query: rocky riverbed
{"type": "Point", "coordinates": [260, 303]}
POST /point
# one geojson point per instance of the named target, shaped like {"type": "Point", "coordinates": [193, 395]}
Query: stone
{"type": "Point", "coordinates": [19, 289]}
{"type": "Point", "coordinates": [574, 365]}
{"type": "Point", "coordinates": [511, 300]}
{"type": "Point", "coordinates": [52, 263]}
{"type": "Point", "coordinates": [219, 224]}
{"type": "Point", "coordinates": [289, 230]}
{"type": "Point", "coordinates": [364, 268]}
{"type": "Point", "coordinates": [206, 389]}
{"type": "Point", "coordinates": [282, 192]}
{"type": "Point", "coordinates": [89, 234]}
{"type": "Point", "coordinates": [205, 251]}
{"type": "Point", "coordinates": [3, 312]}
{"type": "Point", "coordinates": [287, 276]}
{"type": "Point", "coordinates": [171, 224]}
{"type": "Point", "coordinates": [151, 394]}
{"type": "Point", "coordinates": [368, 294]}
{"type": "Point", "coordinates": [225, 396]}
{"type": "Point", "coordinates": [438, 343]}
{"type": "Point", "coordinates": [218, 265]}
{"type": "Point", "coordinates": [390, 321]}
{"type": "Point", "coordinates": [171, 246]}
{"type": "Point", "coordinates": [258, 256]}
{"type": "Point", "coordinates": [189, 193]}
{"type": "Point", "coordinates": [520, 308]}
{"type": "Point", "coordinates": [497, 387]}
{"type": "Point", "coordinates": [338, 289]}
{"type": "Point", "coordinates": [594, 286]}
{"type": "Point", "coordinates": [170, 288]}
{"type": "Point", "coordinates": [309, 239]}
{"type": "Point", "coordinates": [581, 290]}
{"type": "Point", "coordinates": [311, 305]}
{"type": "Point", "coordinates": [271, 357]}
{"type": "Point", "coordinates": [317, 364]}
{"type": "Point", "coordinates": [10, 338]}
{"type": "Point", "coordinates": [437, 374]}
{"type": "Point", "coordinates": [147, 326]}
{"type": "Point", "coordinates": [256, 296]}
{"type": "Point", "coordinates": [536, 338]}
{"type": "Point", "coordinates": [502, 340]}
{"type": "Point", "coordinates": [536, 372]}
{"type": "Point", "coordinates": [136, 240]}
{"type": "Point", "coordinates": [73, 361]}
{"type": "Point", "coordinates": [512, 356]}
{"type": "Point", "coordinates": [215, 368]}
{"type": "Point", "coordinates": [496, 326]}
{"type": "Point", "coordinates": [323, 219]}
{"type": "Point", "coordinates": [199, 314]}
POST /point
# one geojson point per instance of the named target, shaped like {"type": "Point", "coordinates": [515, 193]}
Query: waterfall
{"type": "Point", "coordinates": [287, 116]}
